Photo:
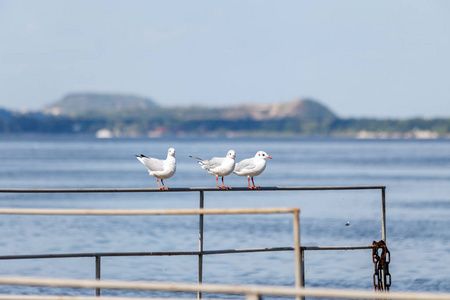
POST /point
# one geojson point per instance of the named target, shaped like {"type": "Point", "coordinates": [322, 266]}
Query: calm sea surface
{"type": "Point", "coordinates": [416, 173]}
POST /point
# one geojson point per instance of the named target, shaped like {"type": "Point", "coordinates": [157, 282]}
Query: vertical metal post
{"type": "Point", "coordinates": [302, 266]}
{"type": "Point", "coordinates": [200, 243]}
{"type": "Point", "coordinates": [253, 297]}
{"type": "Point", "coordinates": [383, 236]}
{"type": "Point", "coordinates": [383, 214]}
{"type": "Point", "coordinates": [299, 269]}
{"type": "Point", "coordinates": [97, 273]}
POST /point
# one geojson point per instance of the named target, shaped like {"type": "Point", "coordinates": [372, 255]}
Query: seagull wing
{"type": "Point", "coordinates": [152, 164]}
{"type": "Point", "coordinates": [244, 166]}
{"type": "Point", "coordinates": [213, 163]}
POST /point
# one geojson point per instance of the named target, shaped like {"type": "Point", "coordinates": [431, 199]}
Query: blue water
{"type": "Point", "coordinates": [416, 173]}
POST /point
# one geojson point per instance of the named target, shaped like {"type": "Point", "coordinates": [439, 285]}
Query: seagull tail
{"type": "Point", "coordinates": [197, 158]}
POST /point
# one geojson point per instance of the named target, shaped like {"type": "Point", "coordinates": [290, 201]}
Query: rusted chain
{"type": "Point", "coordinates": [381, 266]}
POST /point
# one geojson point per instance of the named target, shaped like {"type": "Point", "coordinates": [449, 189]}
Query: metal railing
{"type": "Point", "coordinates": [251, 292]}
{"type": "Point", "coordinates": [140, 212]}
{"type": "Point", "coordinates": [299, 258]}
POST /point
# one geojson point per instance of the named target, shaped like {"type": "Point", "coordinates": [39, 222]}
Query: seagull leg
{"type": "Point", "coordinates": [254, 186]}
{"type": "Point", "coordinates": [157, 182]}
{"type": "Point", "coordinates": [225, 187]}
{"type": "Point", "coordinates": [164, 187]}
{"type": "Point", "coordinates": [217, 180]}
{"type": "Point", "coordinates": [248, 179]}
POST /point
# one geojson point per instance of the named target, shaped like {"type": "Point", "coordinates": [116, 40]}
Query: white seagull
{"type": "Point", "coordinates": [161, 169]}
{"type": "Point", "coordinates": [219, 166]}
{"type": "Point", "coordinates": [251, 167]}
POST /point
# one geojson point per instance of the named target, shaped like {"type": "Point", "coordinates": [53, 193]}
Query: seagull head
{"type": "Point", "coordinates": [171, 152]}
{"type": "Point", "coordinates": [262, 154]}
{"type": "Point", "coordinates": [231, 154]}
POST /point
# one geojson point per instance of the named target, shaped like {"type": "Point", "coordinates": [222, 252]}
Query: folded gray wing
{"type": "Point", "coordinates": [213, 163]}
{"type": "Point", "coordinates": [152, 164]}
{"type": "Point", "coordinates": [246, 164]}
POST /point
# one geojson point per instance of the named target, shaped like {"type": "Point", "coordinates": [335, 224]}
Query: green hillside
{"type": "Point", "coordinates": [118, 115]}
{"type": "Point", "coordinates": [88, 103]}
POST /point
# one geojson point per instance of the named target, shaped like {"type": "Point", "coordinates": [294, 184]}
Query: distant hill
{"type": "Point", "coordinates": [131, 116]}
{"type": "Point", "coordinates": [82, 104]}
{"type": "Point", "coordinates": [5, 114]}
{"type": "Point", "coordinates": [96, 103]}
{"type": "Point", "coordinates": [306, 110]}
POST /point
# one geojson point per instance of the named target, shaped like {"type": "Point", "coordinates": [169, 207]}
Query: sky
{"type": "Point", "coordinates": [382, 59]}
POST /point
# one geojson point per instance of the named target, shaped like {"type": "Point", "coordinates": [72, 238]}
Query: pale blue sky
{"type": "Point", "coordinates": [360, 58]}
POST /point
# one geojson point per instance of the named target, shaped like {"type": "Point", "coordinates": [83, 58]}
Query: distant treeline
{"type": "Point", "coordinates": [171, 124]}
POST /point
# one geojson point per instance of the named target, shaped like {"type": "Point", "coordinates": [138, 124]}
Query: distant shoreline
{"type": "Point", "coordinates": [380, 136]}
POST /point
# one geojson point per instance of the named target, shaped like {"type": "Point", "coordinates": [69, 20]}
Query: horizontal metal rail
{"type": "Point", "coordinates": [194, 189]}
{"type": "Point", "coordinates": [59, 297]}
{"type": "Point", "coordinates": [251, 291]}
{"type": "Point", "coordinates": [153, 253]}
{"type": "Point", "coordinates": [179, 253]}
{"type": "Point", "coordinates": [138, 212]}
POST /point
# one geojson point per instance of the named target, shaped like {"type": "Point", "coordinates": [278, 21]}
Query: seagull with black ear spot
{"type": "Point", "coordinates": [219, 166]}
{"type": "Point", "coordinates": [251, 167]}
{"type": "Point", "coordinates": [159, 168]}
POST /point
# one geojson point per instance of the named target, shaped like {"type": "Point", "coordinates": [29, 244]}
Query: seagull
{"type": "Point", "coordinates": [219, 166]}
{"type": "Point", "coordinates": [251, 167]}
{"type": "Point", "coordinates": [161, 169]}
